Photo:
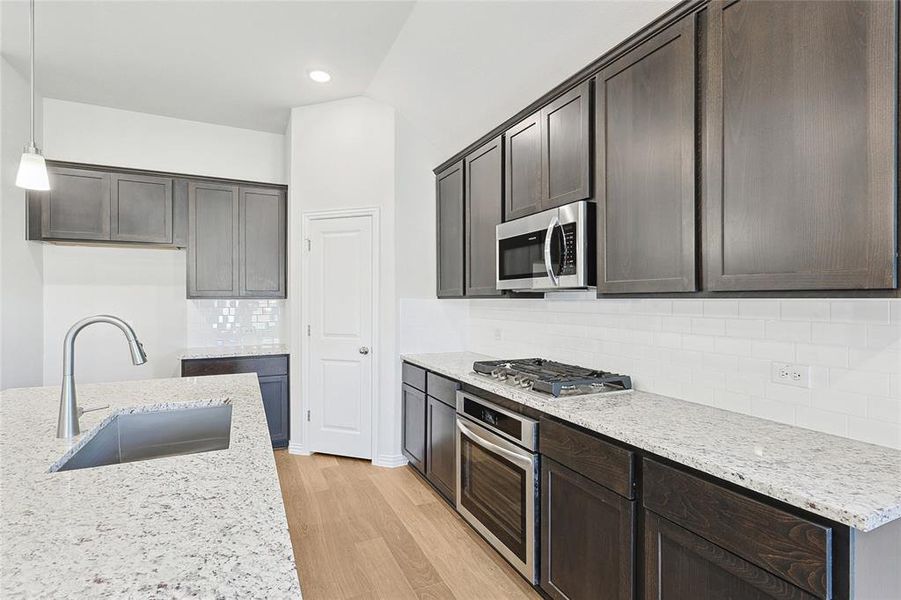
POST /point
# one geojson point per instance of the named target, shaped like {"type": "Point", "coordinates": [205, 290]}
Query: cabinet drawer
{"type": "Point", "coordinates": [263, 366]}
{"type": "Point", "coordinates": [606, 464]}
{"type": "Point", "coordinates": [414, 376]}
{"type": "Point", "coordinates": [443, 389]}
{"type": "Point", "coordinates": [788, 546]}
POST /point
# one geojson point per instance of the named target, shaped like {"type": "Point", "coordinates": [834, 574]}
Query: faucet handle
{"type": "Point", "coordinates": [81, 410]}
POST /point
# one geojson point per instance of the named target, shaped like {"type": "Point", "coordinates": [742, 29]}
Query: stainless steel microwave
{"type": "Point", "coordinates": [550, 250]}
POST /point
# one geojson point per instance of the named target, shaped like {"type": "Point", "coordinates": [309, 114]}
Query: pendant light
{"type": "Point", "coordinates": [32, 173]}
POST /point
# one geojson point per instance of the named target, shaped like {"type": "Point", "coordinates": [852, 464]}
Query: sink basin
{"type": "Point", "coordinates": [155, 434]}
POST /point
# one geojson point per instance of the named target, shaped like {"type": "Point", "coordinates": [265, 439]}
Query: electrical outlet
{"type": "Point", "coordinates": [789, 374]}
{"type": "Point", "coordinates": [497, 335]}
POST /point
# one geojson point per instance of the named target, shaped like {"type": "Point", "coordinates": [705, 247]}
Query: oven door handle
{"type": "Point", "coordinates": [518, 459]}
{"type": "Point", "coordinates": [548, 239]}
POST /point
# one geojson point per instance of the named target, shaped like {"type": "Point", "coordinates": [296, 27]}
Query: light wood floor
{"type": "Point", "coordinates": [368, 532]}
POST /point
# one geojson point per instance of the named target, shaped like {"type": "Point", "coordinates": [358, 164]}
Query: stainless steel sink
{"type": "Point", "coordinates": [146, 435]}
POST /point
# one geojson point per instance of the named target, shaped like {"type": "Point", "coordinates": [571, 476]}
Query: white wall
{"type": "Point", "coordinates": [144, 286]}
{"type": "Point", "coordinates": [21, 338]}
{"type": "Point", "coordinates": [343, 156]}
{"type": "Point", "coordinates": [107, 136]}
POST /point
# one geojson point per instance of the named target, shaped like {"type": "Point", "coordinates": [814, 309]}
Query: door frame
{"type": "Point", "coordinates": [305, 341]}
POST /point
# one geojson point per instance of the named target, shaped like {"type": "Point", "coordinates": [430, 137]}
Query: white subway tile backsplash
{"type": "Point", "coordinates": [758, 309]}
{"type": "Point", "coordinates": [805, 310]}
{"type": "Point", "coordinates": [827, 356]}
{"type": "Point", "coordinates": [708, 326]}
{"type": "Point", "coordinates": [720, 308]}
{"type": "Point", "coordinates": [860, 311]}
{"type": "Point", "coordinates": [840, 334]}
{"type": "Point", "coordinates": [821, 420]}
{"type": "Point", "coordinates": [886, 361]}
{"type": "Point", "coordinates": [720, 352]}
{"type": "Point", "coordinates": [235, 322]}
{"type": "Point", "coordinates": [745, 328]}
{"type": "Point", "coordinates": [886, 337]}
{"type": "Point", "coordinates": [781, 351]}
{"type": "Point", "coordinates": [788, 331]}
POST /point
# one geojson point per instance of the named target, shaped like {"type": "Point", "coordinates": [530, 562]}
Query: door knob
{"type": "Point", "coordinates": [364, 350]}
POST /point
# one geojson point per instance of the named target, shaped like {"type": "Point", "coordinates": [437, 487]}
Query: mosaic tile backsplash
{"type": "Point", "coordinates": [236, 322]}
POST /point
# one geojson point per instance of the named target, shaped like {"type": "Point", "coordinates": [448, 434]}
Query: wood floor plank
{"type": "Point", "coordinates": [363, 532]}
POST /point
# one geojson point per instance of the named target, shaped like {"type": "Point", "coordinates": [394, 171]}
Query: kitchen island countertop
{"type": "Point", "coordinates": [844, 480]}
{"type": "Point", "coordinates": [201, 525]}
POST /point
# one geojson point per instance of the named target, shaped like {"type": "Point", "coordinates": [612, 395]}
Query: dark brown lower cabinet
{"type": "Point", "coordinates": [587, 533]}
{"type": "Point", "coordinates": [680, 565]}
{"type": "Point", "coordinates": [413, 436]}
{"type": "Point", "coordinates": [441, 447]}
{"type": "Point", "coordinates": [273, 375]}
{"type": "Point", "coordinates": [274, 390]}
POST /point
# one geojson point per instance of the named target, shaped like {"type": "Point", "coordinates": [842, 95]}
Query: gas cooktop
{"type": "Point", "coordinates": [554, 378]}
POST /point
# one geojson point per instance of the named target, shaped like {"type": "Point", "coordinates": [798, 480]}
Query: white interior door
{"type": "Point", "coordinates": [339, 293]}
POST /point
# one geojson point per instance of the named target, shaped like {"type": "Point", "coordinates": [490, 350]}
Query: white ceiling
{"type": "Point", "coordinates": [459, 69]}
{"type": "Point", "coordinates": [453, 69]}
{"type": "Point", "coordinates": [239, 63]}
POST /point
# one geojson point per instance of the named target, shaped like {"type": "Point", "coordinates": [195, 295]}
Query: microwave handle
{"type": "Point", "coordinates": [548, 238]}
{"type": "Point", "coordinates": [518, 459]}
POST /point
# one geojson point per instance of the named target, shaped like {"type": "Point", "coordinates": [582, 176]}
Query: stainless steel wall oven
{"type": "Point", "coordinates": [497, 478]}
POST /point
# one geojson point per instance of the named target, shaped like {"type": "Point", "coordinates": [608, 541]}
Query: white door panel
{"type": "Point", "coordinates": [340, 296]}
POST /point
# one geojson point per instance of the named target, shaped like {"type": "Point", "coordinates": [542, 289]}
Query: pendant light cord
{"type": "Point", "coordinates": [31, 40]}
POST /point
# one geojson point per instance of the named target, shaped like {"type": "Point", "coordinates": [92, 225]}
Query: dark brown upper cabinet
{"type": "Point", "coordinates": [548, 156]}
{"type": "Point", "coordinates": [96, 204]}
{"type": "Point", "coordinates": [141, 208]}
{"type": "Point", "coordinates": [451, 236]}
{"type": "Point", "coordinates": [566, 148]}
{"type": "Point", "coordinates": [645, 165]}
{"type": "Point", "coordinates": [800, 145]}
{"type": "Point", "coordinates": [236, 241]}
{"type": "Point", "coordinates": [77, 206]}
{"type": "Point", "coordinates": [522, 173]}
{"type": "Point", "coordinates": [484, 202]}
{"type": "Point", "coordinates": [212, 240]}
{"type": "Point", "coordinates": [262, 225]}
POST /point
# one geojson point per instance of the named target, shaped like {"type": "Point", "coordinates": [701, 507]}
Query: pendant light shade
{"type": "Point", "coordinates": [32, 174]}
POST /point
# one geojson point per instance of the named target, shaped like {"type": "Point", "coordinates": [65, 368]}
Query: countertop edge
{"type": "Point", "coordinates": [859, 521]}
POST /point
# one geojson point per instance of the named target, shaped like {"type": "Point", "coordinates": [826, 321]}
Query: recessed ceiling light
{"type": "Point", "coordinates": [320, 76]}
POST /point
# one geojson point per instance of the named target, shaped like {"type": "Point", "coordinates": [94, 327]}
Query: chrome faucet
{"type": "Point", "coordinates": [69, 412]}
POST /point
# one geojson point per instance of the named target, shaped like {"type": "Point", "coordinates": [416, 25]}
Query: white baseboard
{"type": "Point", "coordinates": [391, 461]}
{"type": "Point", "coordinates": [297, 448]}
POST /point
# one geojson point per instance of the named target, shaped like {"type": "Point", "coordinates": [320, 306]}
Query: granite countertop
{"type": "Point", "coordinates": [231, 351]}
{"type": "Point", "coordinates": [202, 525]}
{"type": "Point", "coordinates": [851, 482]}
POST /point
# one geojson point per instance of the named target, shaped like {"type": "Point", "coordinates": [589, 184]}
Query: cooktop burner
{"type": "Point", "coordinates": [554, 378]}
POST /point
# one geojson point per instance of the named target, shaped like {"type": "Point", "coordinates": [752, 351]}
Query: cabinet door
{"type": "Point", "coordinates": [274, 390]}
{"type": "Point", "coordinates": [450, 232]}
{"type": "Point", "coordinates": [586, 537]}
{"type": "Point", "coordinates": [800, 145]}
{"type": "Point", "coordinates": [212, 236]}
{"type": "Point", "coordinates": [566, 148]}
{"type": "Point", "coordinates": [646, 166]}
{"type": "Point", "coordinates": [522, 172]}
{"type": "Point", "coordinates": [414, 407]}
{"type": "Point", "coordinates": [681, 565]}
{"type": "Point", "coordinates": [484, 204]}
{"type": "Point", "coordinates": [77, 206]}
{"type": "Point", "coordinates": [141, 208]}
{"type": "Point", "coordinates": [261, 251]}
{"type": "Point", "coordinates": [442, 449]}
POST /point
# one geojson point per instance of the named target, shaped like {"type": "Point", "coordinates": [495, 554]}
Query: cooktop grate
{"type": "Point", "coordinates": [551, 377]}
